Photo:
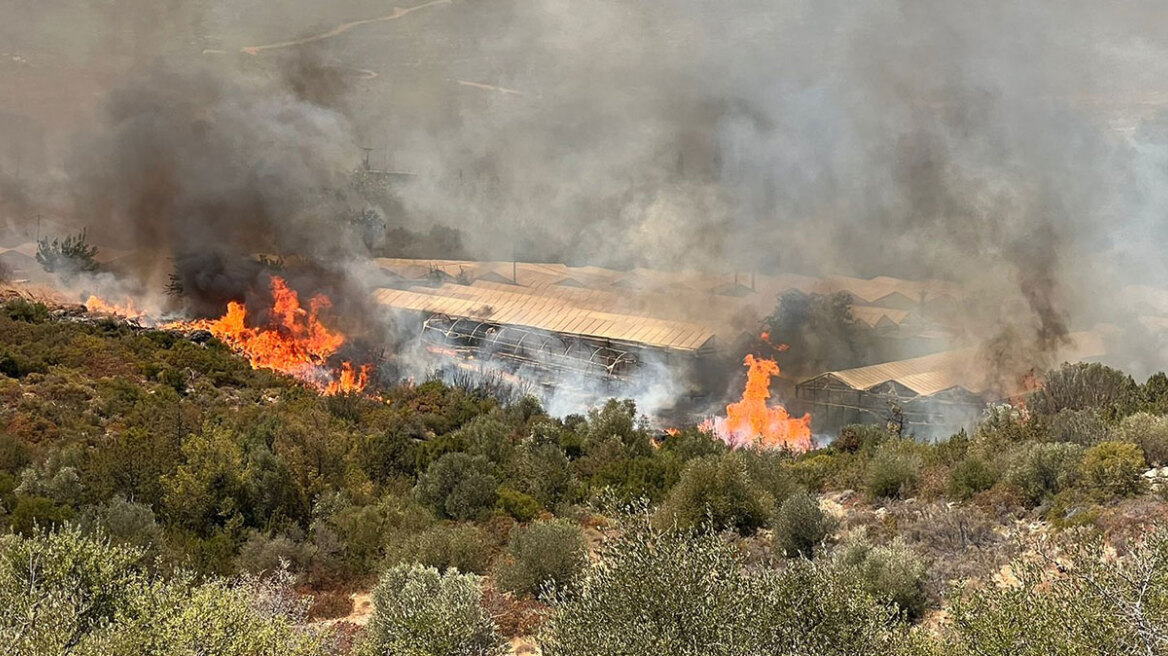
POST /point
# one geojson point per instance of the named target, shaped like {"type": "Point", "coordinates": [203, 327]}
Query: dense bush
{"type": "Point", "coordinates": [1087, 386]}
{"type": "Point", "coordinates": [458, 486]}
{"type": "Point", "coordinates": [971, 475]}
{"type": "Point", "coordinates": [1085, 602]}
{"type": "Point", "coordinates": [1039, 470]}
{"type": "Point", "coordinates": [1113, 469]}
{"type": "Point", "coordinates": [544, 556]}
{"type": "Point", "coordinates": [860, 437]}
{"type": "Point", "coordinates": [801, 526]}
{"type": "Point", "coordinates": [895, 469]}
{"type": "Point", "coordinates": [1149, 432]}
{"type": "Point", "coordinates": [463, 547]}
{"type": "Point", "coordinates": [417, 610]}
{"type": "Point", "coordinates": [890, 573]}
{"type": "Point", "coordinates": [1084, 427]}
{"type": "Point", "coordinates": [716, 492]}
{"type": "Point", "coordinates": [668, 593]}
{"type": "Point", "coordinates": [67, 593]}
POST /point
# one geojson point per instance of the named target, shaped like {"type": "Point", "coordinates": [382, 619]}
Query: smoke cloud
{"type": "Point", "coordinates": [1020, 151]}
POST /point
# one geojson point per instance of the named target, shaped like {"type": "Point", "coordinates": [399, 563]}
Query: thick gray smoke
{"type": "Point", "coordinates": [1016, 149]}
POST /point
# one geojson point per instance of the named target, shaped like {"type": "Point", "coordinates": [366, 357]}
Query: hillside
{"type": "Point", "coordinates": [133, 457]}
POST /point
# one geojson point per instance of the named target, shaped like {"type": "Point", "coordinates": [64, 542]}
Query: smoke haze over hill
{"type": "Point", "coordinates": [1017, 150]}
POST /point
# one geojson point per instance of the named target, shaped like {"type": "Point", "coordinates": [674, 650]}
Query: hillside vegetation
{"type": "Point", "coordinates": [158, 495]}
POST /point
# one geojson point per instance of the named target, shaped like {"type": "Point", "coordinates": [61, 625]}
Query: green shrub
{"type": "Point", "coordinates": [417, 610]}
{"type": "Point", "coordinates": [895, 469]}
{"type": "Point", "coordinates": [263, 553]}
{"type": "Point", "coordinates": [1084, 427]}
{"type": "Point", "coordinates": [544, 556]}
{"type": "Point", "coordinates": [89, 596]}
{"type": "Point", "coordinates": [33, 513]}
{"type": "Point", "coordinates": [669, 593]}
{"type": "Point", "coordinates": [860, 437]}
{"type": "Point", "coordinates": [1097, 604]}
{"type": "Point", "coordinates": [801, 526]}
{"type": "Point", "coordinates": [1042, 469]}
{"type": "Point", "coordinates": [458, 486]}
{"type": "Point", "coordinates": [1113, 469]}
{"type": "Point", "coordinates": [715, 492]}
{"type": "Point", "coordinates": [970, 476]}
{"type": "Point", "coordinates": [21, 310]}
{"type": "Point", "coordinates": [1087, 386]}
{"type": "Point", "coordinates": [1148, 431]}
{"type": "Point", "coordinates": [890, 573]}
{"type": "Point", "coordinates": [462, 547]}
{"type": "Point", "coordinates": [521, 506]}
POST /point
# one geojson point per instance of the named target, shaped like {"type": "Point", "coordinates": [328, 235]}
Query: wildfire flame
{"type": "Point", "coordinates": [294, 341]}
{"type": "Point", "coordinates": [127, 309]}
{"type": "Point", "coordinates": [751, 422]}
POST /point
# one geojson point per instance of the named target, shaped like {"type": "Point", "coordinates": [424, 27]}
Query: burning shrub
{"type": "Point", "coordinates": [544, 556]}
{"type": "Point", "coordinates": [1149, 432]}
{"type": "Point", "coordinates": [1112, 469]}
{"type": "Point", "coordinates": [716, 493]}
{"type": "Point", "coordinates": [458, 486]}
{"type": "Point", "coordinates": [1041, 469]}
{"type": "Point", "coordinates": [801, 526]}
{"type": "Point", "coordinates": [417, 610]}
{"type": "Point", "coordinates": [895, 469]}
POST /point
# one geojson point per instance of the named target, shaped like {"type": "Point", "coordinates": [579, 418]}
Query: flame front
{"type": "Point", "coordinates": [101, 306]}
{"type": "Point", "coordinates": [294, 341]}
{"type": "Point", "coordinates": [751, 422]}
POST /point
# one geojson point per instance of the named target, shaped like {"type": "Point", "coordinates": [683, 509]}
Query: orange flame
{"type": "Point", "coordinates": [126, 310]}
{"type": "Point", "coordinates": [294, 342]}
{"type": "Point", "coordinates": [751, 422]}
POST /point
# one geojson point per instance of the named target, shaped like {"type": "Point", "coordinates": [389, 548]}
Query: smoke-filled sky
{"type": "Point", "coordinates": [1018, 148]}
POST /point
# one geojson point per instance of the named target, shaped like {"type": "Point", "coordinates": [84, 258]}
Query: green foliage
{"type": "Point", "coordinates": [669, 593]}
{"type": "Point", "coordinates": [462, 547]}
{"type": "Point", "coordinates": [68, 256]}
{"type": "Point", "coordinates": [458, 486]}
{"type": "Point", "coordinates": [1113, 469]}
{"type": "Point", "coordinates": [970, 476]}
{"type": "Point", "coordinates": [1084, 427]}
{"type": "Point", "coordinates": [1149, 432]}
{"type": "Point", "coordinates": [1039, 470]}
{"type": "Point", "coordinates": [890, 573]}
{"type": "Point", "coordinates": [1087, 602]}
{"type": "Point", "coordinates": [20, 309]}
{"type": "Point", "coordinates": [544, 556]}
{"type": "Point", "coordinates": [68, 593]}
{"type": "Point", "coordinates": [895, 469]}
{"type": "Point", "coordinates": [801, 526]}
{"type": "Point", "coordinates": [34, 513]}
{"type": "Point", "coordinates": [860, 437]}
{"type": "Point", "coordinates": [715, 492]}
{"type": "Point", "coordinates": [419, 611]}
{"type": "Point", "coordinates": [522, 507]}
{"type": "Point", "coordinates": [1087, 386]}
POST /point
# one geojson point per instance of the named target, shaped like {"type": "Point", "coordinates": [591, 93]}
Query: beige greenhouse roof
{"type": "Point", "coordinates": [548, 314]}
